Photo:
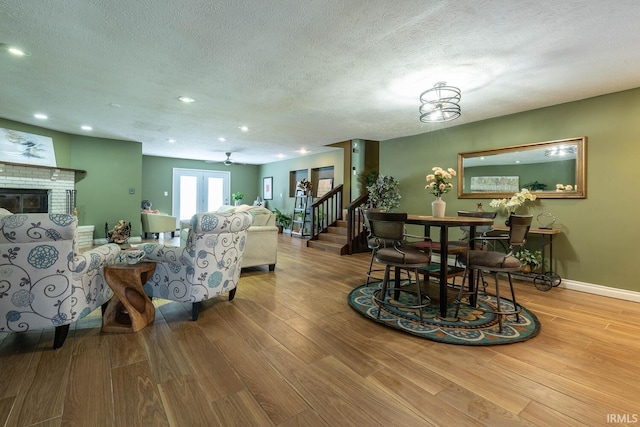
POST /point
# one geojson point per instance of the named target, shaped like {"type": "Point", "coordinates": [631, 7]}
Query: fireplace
{"type": "Point", "coordinates": [21, 200]}
{"type": "Point", "coordinates": [24, 200]}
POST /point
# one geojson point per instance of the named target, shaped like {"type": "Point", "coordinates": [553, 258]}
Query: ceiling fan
{"type": "Point", "coordinates": [227, 162]}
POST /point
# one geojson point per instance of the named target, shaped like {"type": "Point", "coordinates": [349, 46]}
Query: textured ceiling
{"type": "Point", "coordinates": [300, 74]}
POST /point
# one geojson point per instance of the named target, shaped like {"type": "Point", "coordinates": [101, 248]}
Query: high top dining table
{"type": "Point", "coordinates": [444, 224]}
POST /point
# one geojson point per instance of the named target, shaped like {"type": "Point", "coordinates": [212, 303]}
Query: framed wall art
{"type": "Point", "coordinates": [26, 148]}
{"type": "Point", "coordinates": [267, 188]}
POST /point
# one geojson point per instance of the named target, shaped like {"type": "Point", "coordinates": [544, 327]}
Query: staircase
{"type": "Point", "coordinates": [334, 240]}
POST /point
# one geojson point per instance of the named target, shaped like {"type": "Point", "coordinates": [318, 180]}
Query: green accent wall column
{"type": "Point", "coordinates": [113, 168]}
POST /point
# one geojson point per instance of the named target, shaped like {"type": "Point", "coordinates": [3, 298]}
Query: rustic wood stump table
{"type": "Point", "coordinates": [130, 309]}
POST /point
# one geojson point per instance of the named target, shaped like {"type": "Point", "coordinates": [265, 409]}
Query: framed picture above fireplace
{"type": "Point", "coordinates": [26, 148]}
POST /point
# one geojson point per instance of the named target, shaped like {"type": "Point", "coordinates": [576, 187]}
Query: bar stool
{"type": "Point", "coordinates": [374, 243]}
{"type": "Point", "coordinates": [400, 256]}
{"type": "Point", "coordinates": [496, 262]}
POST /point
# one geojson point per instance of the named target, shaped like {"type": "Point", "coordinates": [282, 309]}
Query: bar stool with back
{"type": "Point", "coordinates": [401, 256]}
{"type": "Point", "coordinates": [375, 243]}
{"type": "Point", "coordinates": [495, 262]}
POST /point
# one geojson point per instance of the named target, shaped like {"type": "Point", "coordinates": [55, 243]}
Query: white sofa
{"type": "Point", "coordinates": [262, 236]}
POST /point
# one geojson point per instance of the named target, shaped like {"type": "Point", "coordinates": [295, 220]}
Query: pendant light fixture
{"type": "Point", "coordinates": [440, 103]}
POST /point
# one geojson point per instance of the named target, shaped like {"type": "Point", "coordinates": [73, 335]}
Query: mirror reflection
{"type": "Point", "coordinates": [552, 169]}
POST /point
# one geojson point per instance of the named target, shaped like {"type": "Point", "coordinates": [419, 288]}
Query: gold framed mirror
{"type": "Point", "coordinates": [551, 169]}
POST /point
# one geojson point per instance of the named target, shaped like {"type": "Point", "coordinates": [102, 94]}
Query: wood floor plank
{"type": "Point", "coordinates": [88, 398]}
{"type": "Point", "coordinates": [278, 399]}
{"type": "Point", "coordinates": [40, 396]}
{"type": "Point", "coordinates": [316, 382]}
{"type": "Point", "coordinates": [125, 349]}
{"type": "Point", "coordinates": [240, 410]}
{"type": "Point", "coordinates": [358, 360]}
{"type": "Point", "coordinates": [163, 353]}
{"type": "Point", "coordinates": [482, 410]}
{"type": "Point", "coordinates": [216, 375]}
{"type": "Point", "coordinates": [577, 390]}
{"type": "Point", "coordinates": [5, 408]}
{"type": "Point", "coordinates": [297, 343]}
{"type": "Point", "coordinates": [541, 415]}
{"type": "Point", "coordinates": [185, 402]}
{"type": "Point", "coordinates": [428, 405]}
{"type": "Point", "coordinates": [306, 418]}
{"type": "Point", "coordinates": [137, 401]}
{"type": "Point", "coordinates": [16, 354]}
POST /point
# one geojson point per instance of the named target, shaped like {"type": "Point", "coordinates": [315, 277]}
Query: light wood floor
{"type": "Point", "coordinates": [289, 351]}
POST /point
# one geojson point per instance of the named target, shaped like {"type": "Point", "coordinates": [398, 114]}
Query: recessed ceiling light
{"type": "Point", "coordinates": [86, 127]}
{"type": "Point", "coordinates": [171, 140]}
{"type": "Point", "coordinates": [222, 139]}
{"type": "Point", "coordinates": [244, 128]}
{"type": "Point", "coordinates": [15, 51]}
{"type": "Point", "coordinates": [40, 116]}
{"type": "Point", "coordinates": [280, 156]}
{"type": "Point", "coordinates": [186, 99]}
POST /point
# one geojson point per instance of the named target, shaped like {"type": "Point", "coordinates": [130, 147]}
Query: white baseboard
{"type": "Point", "coordinates": [605, 291]}
{"type": "Point", "coordinates": [103, 241]}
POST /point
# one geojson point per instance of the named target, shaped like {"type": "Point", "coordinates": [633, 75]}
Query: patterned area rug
{"type": "Point", "coordinates": [473, 326]}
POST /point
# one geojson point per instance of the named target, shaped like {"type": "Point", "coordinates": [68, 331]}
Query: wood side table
{"type": "Point", "coordinates": [130, 309]}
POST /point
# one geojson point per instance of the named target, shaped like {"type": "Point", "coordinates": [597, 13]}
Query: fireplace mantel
{"type": "Point", "coordinates": [28, 165]}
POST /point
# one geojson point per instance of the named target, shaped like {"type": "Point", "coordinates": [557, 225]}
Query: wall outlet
{"type": "Point", "coordinates": [132, 190]}
{"type": "Point", "coordinates": [166, 193]}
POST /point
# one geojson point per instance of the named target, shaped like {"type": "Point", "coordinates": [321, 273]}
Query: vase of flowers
{"type": "Point", "coordinates": [305, 186]}
{"type": "Point", "coordinates": [384, 193]}
{"type": "Point", "coordinates": [511, 205]}
{"type": "Point", "coordinates": [439, 183]}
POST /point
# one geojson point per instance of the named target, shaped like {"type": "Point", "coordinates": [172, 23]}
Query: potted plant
{"type": "Point", "coordinates": [282, 220]}
{"type": "Point", "coordinates": [384, 193]}
{"type": "Point", "coordinates": [237, 198]}
{"type": "Point", "coordinates": [530, 260]}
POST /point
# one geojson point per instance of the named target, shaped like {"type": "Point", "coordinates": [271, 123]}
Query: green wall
{"type": "Point", "coordinates": [113, 167]}
{"type": "Point", "coordinates": [280, 173]}
{"type": "Point", "coordinates": [599, 242]}
{"type": "Point", "coordinates": [157, 175]}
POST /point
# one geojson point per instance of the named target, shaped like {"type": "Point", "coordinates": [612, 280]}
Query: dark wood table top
{"type": "Point", "coordinates": [448, 221]}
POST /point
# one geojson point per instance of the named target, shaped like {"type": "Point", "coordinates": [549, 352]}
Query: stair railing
{"type": "Point", "coordinates": [356, 237]}
{"type": "Point", "coordinates": [326, 211]}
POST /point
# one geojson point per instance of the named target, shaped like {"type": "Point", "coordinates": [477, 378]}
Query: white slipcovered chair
{"type": "Point", "coordinates": [156, 223]}
{"type": "Point", "coordinates": [209, 264]}
{"type": "Point", "coordinates": [44, 281]}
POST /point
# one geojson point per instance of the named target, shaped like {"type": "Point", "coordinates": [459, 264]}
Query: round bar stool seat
{"type": "Point", "coordinates": [404, 258]}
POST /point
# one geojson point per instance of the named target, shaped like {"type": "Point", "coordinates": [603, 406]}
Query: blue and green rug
{"type": "Point", "coordinates": [472, 327]}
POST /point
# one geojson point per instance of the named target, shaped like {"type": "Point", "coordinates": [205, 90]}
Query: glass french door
{"type": "Point", "coordinates": [196, 191]}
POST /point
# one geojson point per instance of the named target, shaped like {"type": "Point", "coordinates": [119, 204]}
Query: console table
{"type": "Point", "coordinates": [547, 279]}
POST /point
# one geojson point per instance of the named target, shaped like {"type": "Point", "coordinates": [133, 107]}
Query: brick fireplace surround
{"type": "Point", "coordinates": [57, 181]}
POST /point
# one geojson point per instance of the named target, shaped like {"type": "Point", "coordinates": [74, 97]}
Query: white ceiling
{"type": "Point", "coordinates": [300, 73]}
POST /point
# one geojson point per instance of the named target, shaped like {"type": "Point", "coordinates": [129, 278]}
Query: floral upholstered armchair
{"type": "Point", "coordinates": [209, 264]}
{"type": "Point", "coordinates": [44, 281]}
